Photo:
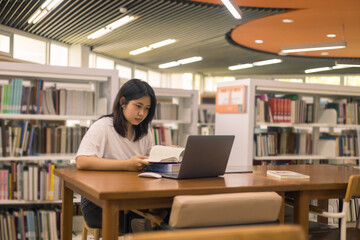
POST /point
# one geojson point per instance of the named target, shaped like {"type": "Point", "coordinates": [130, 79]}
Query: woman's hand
{"type": "Point", "coordinates": [137, 163]}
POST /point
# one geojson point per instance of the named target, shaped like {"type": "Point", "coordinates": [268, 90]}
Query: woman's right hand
{"type": "Point", "coordinates": [137, 163]}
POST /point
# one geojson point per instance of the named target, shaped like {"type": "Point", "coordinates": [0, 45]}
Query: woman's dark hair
{"type": "Point", "coordinates": [132, 90]}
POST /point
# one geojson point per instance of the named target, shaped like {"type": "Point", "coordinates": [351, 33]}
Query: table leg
{"type": "Point", "coordinates": [66, 212]}
{"type": "Point", "coordinates": [282, 209]}
{"type": "Point", "coordinates": [301, 210]}
{"type": "Point", "coordinates": [110, 222]}
{"type": "Point", "coordinates": [323, 204]}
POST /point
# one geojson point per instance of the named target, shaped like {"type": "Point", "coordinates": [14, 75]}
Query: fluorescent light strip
{"type": "Point", "coordinates": [99, 33]}
{"type": "Point", "coordinates": [34, 16]}
{"type": "Point", "coordinates": [312, 70]}
{"type": "Point", "coordinates": [349, 63]}
{"type": "Point", "coordinates": [44, 9]}
{"type": "Point", "coordinates": [313, 47]}
{"type": "Point", "coordinates": [162, 43]}
{"type": "Point", "coordinates": [343, 66]}
{"type": "Point", "coordinates": [181, 61]}
{"type": "Point", "coordinates": [140, 50]}
{"type": "Point", "coordinates": [120, 22]}
{"type": "Point", "coordinates": [44, 5]}
{"type": "Point", "coordinates": [233, 8]}
{"type": "Point", "coordinates": [152, 46]}
{"type": "Point", "coordinates": [111, 26]}
{"type": "Point", "coordinates": [267, 62]}
{"type": "Point", "coordinates": [241, 66]}
{"type": "Point", "coordinates": [260, 63]}
{"type": "Point", "coordinates": [53, 4]}
{"type": "Point", "coordinates": [169, 64]}
{"type": "Point", "coordinates": [41, 16]}
{"type": "Point", "coordinates": [189, 60]}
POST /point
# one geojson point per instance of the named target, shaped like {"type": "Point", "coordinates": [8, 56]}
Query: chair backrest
{"type": "Point", "coordinates": [353, 188]}
{"type": "Point", "coordinates": [273, 232]}
{"type": "Point", "coordinates": [224, 209]}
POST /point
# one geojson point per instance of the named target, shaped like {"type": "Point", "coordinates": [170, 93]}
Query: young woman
{"type": "Point", "coordinates": [118, 141]}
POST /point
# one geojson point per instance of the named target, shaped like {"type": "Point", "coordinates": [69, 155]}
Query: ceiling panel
{"type": "Point", "coordinates": [199, 29]}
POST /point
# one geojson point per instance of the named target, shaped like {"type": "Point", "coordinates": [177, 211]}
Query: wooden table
{"type": "Point", "coordinates": [114, 190]}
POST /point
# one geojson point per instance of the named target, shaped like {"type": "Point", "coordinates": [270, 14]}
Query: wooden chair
{"type": "Point", "coordinates": [96, 232]}
{"type": "Point", "coordinates": [196, 211]}
{"type": "Point", "coordinates": [353, 190]}
{"type": "Point", "coordinates": [273, 232]}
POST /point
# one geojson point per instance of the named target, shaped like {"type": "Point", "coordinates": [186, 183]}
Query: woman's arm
{"type": "Point", "coordinates": [136, 163]}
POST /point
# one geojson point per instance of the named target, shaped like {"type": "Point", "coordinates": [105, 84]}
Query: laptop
{"type": "Point", "coordinates": [204, 156]}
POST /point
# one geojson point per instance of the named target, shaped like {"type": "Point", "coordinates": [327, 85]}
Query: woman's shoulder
{"type": "Point", "coordinates": [103, 122]}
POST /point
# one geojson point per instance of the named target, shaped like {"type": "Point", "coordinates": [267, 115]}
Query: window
{"type": "Point", "coordinates": [4, 43]}
{"type": "Point", "coordinates": [197, 82]}
{"type": "Point", "coordinates": [297, 80]}
{"type": "Point", "coordinates": [36, 53]}
{"type": "Point", "coordinates": [58, 55]}
{"type": "Point", "coordinates": [124, 72]}
{"type": "Point", "coordinates": [182, 80]}
{"type": "Point", "coordinates": [210, 82]}
{"type": "Point", "coordinates": [154, 79]}
{"type": "Point", "coordinates": [352, 81]}
{"type": "Point", "coordinates": [92, 58]}
{"type": "Point", "coordinates": [104, 63]}
{"type": "Point", "coordinates": [142, 75]}
{"type": "Point", "coordinates": [329, 80]}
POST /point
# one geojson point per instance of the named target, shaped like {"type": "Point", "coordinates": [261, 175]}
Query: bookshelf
{"type": "Point", "coordinates": [246, 126]}
{"type": "Point", "coordinates": [206, 119]}
{"type": "Point", "coordinates": [177, 111]}
{"type": "Point", "coordinates": [33, 169]}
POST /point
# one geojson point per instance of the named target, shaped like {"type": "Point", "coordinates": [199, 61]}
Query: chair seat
{"type": "Point", "coordinates": [224, 209]}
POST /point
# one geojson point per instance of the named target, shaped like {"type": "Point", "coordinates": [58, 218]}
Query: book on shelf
{"type": "Point", "coordinates": [286, 174]}
{"type": "Point", "coordinates": [165, 154]}
{"type": "Point", "coordinates": [160, 167]}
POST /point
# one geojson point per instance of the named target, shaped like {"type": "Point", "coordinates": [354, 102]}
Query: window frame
{"type": "Point", "coordinates": [11, 47]}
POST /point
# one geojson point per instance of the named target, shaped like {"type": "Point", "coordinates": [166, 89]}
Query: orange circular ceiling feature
{"type": "Point", "coordinates": [312, 22]}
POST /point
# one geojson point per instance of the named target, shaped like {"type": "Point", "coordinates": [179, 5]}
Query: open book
{"type": "Point", "coordinates": [165, 154]}
{"type": "Point", "coordinates": [286, 174]}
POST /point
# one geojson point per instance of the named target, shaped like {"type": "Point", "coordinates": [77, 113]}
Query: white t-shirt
{"type": "Point", "coordinates": [103, 141]}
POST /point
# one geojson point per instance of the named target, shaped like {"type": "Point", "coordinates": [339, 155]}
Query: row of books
{"type": "Point", "coordinates": [288, 108]}
{"type": "Point", "coordinates": [206, 116]}
{"type": "Point", "coordinates": [352, 214]}
{"type": "Point", "coordinates": [344, 144]}
{"type": "Point", "coordinates": [206, 130]}
{"type": "Point", "coordinates": [165, 135]}
{"type": "Point", "coordinates": [167, 111]}
{"type": "Point", "coordinates": [347, 112]}
{"type": "Point", "coordinates": [15, 98]}
{"type": "Point", "coordinates": [29, 181]}
{"type": "Point", "coordinates": [30, 224]}
{"type": "Point", "coordinates": [278, 140]}
{"type": "Point", "coordinates": [22, 138]}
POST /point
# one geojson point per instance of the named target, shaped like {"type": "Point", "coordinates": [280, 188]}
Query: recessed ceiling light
{"type": "Point", "coordinates": [331, 35]}
{"type": "Point", "coordinates": [287, 20]}
{"type": "Point", "coordinates": [259, 41]}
